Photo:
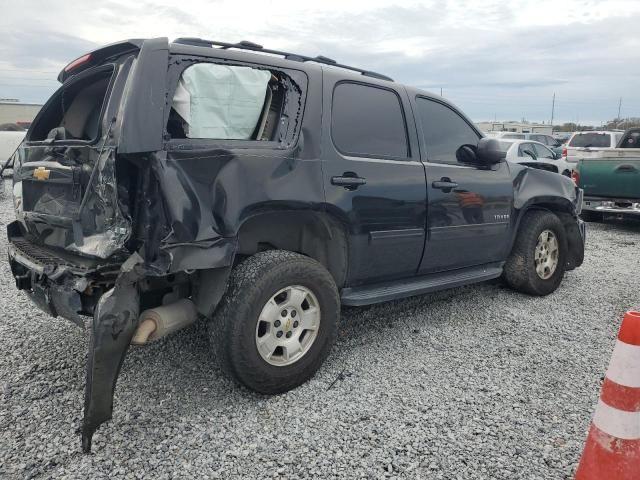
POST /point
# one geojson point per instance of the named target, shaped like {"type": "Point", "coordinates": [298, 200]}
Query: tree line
{"type": "Point", "coordinates": [615, 124]}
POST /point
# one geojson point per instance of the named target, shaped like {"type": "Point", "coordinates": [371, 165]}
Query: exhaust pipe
{"type": "Point", "coordinates": [157, 322]}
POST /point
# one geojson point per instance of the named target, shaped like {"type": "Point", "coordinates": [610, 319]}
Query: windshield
{"type": "Point", "coordinates": [591, 140]}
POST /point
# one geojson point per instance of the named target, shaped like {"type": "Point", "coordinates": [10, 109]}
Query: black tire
{"type": "Point", "coordinates": [232, 330]}
{"type": "Point", "coordinates": [520, 269]}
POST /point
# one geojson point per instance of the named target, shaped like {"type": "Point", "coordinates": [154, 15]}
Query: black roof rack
{"type": "Point", "coordinates": [245, 45]}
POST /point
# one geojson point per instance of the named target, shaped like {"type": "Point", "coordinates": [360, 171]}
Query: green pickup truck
{"type": "Point", "coordinates": [611, 181]}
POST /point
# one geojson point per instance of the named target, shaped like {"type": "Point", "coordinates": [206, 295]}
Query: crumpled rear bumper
{"type": "Point", "coordinates": [59, 283]}
{"type": "Point", "coordinates": [56, 298]}
{"type": "Point", "coordinates": [108, 299]}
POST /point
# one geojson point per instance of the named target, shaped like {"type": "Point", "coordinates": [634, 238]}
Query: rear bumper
{"type": "Point", "coordinates": [614, 206]}
{"type": "Point", "coordinates": [57, 284]}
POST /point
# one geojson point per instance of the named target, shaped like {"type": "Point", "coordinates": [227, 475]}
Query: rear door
{"type": "Point", "coordinates": [469, 206]}
{"type": "Point", "coordinates": [374, 180]}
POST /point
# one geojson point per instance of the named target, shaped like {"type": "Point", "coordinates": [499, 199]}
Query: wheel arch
{"type": "Point", "coordinates": [311, 233]}
{"type": "Point", "coordinates": [564, 209]}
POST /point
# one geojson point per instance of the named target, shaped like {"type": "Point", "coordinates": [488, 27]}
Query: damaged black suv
{"type": "Point", "coordinates": [261, 190]}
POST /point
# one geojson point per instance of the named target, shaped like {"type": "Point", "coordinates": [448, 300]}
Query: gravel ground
{"type": "Point", "coordinates": [475, 382]}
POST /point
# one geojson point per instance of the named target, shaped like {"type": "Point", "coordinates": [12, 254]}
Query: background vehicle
{"type": "Point", "coordinates": [562, 137]}
{"type": "Point", "coordinates": [535, 154]}
{"type": "Point", "coordinates": [589, 144]}
{"type": "Point", "coordinates": [554, 144]}
{"type": "Point", "coordinates": [611, 181]}
{"type": "Point", "coordinates": [9, 141]}
{"type": "Point", "coordinates": [260, 192]}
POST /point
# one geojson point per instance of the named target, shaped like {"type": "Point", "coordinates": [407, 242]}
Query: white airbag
{"type": "Point", "coordinates": [219, 101]}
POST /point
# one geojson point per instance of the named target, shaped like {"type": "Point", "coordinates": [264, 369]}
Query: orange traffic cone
{"type": "Point", "coordinates": [612, 450]}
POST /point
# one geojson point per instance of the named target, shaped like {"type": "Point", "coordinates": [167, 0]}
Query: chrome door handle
{"type": "Point", "coordinates": [348, 182]}
{"type": "Point", "coordinates": [444, 184]}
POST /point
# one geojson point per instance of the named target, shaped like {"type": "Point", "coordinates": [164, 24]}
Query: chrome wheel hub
{"type": "Point", "coordinates": [288, 325]}
{"type": "Point", "coordinates": [546, 254]}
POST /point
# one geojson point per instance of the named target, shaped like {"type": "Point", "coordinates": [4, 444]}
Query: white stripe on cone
{"type": "Point", "coordinates": [624, 368]}
{"type": "Point", "coordinates": [617, 423]}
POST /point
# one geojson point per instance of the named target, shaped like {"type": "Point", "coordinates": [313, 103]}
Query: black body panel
{"type": "Point", "coordinates": [113, 218]}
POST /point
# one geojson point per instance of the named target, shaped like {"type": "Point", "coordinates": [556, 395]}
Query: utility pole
{"type": "Point", "coordinates": [553, 106]}
{"type": "Point", "coordinates": [440, 91]}
{"type": "Point", "coordinates": [619, 107]}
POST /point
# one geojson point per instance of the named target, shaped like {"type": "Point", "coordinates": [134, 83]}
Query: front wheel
{"type": "Point", "coordinates": [538, 260]}
{"type": "Point", "coordinates": [277, 322]}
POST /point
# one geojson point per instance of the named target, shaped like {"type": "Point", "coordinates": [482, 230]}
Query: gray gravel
{"type": "Point", "coordinates": [475, 382]}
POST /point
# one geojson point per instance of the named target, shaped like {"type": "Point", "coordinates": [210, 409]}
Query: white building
{"type": "Point", "coordinates": [516, 127]}
{"type": "Point", "coordinates": [13, 111]}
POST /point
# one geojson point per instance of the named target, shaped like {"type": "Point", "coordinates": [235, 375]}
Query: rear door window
{"type": "Point", "coordinates": [227, 102]}
{"type": "Point", "coordinates": [586, 140]}
{"type": "Point", "coordinates": [368, 121]}
{"type": "Point", "coordinates": [444, 131]}
{"type": "Point", "coordinates": [74, 111]}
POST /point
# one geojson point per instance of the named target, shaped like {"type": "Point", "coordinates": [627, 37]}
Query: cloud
{"type": "Point", "coordinates": [490, 57]}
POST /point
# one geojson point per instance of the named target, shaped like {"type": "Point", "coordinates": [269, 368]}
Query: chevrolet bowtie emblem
{"type": "Point", "coordinates": [41, 173]}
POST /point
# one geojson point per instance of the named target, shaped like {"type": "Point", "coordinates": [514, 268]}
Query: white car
{"type": "Point", "coordinates": [589, 144]}
{"type": "Point", "coordinates": [9, 141]}
{"type": "Point", "coordinates": [548, 140]}
{"type": "Point", "coordinates": [535, 154]}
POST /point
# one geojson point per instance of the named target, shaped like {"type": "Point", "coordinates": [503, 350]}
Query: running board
{"type": "Point", "coordinates": [386, 291]}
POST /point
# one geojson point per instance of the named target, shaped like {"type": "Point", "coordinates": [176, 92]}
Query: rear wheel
{"type": "Point", "coordinates": [277, 322]}
{"type": "Point", "coordinates": [538, 260]}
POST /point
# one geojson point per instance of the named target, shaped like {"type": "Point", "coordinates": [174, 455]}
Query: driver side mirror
{"type": "Point", "coordinates": [488, 152]}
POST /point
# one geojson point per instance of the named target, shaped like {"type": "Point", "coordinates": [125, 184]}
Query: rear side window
{"type": "Point", "coordinates": [226, 102]}
{"type": "Point", "coordinates": [368, 121]}
{"type": "Point", "coordinates": [73, 113]}
{"type": "Point", "coordinates": [444, 131]}
{"type": "Point", "coordinates": [601, 140]}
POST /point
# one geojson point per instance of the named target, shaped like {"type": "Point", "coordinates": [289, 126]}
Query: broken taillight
{"type": "Point", "coordinates": [77, 62]}
{"type": "Point", "coordinates": [575, 176]}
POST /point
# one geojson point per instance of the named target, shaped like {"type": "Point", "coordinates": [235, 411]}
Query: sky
{"type": "Point", "coordinates": [494, 59]}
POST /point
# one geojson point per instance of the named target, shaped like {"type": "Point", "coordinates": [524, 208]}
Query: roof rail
{"type": "Point", "coordinates": [246, 45]}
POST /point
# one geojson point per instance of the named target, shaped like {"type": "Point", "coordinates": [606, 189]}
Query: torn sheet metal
{"type": "Point", "coordinates": [114, 323]}
{"type": "Point", "coordinates": [49, 185]}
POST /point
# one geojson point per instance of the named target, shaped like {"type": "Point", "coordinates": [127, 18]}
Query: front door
{"type": "Point", "coordinates": [374, 180]}
{"type": "Point", "coordinates": [469, 206]}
